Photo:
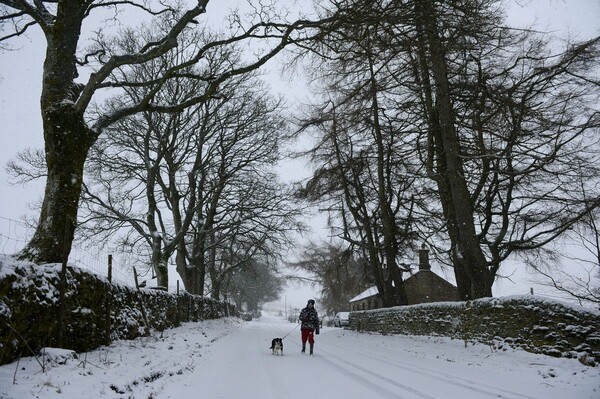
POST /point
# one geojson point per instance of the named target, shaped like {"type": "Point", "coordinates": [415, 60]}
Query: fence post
{"type": "Point", "coordinates": [110, 268]}
{"type": "Point", "coordinates": [61, 289]}
{"type": "Point", "coordinates": [142, 309]}
{"type": "Point", "coordinates": [108, 305]}
{"type": "Point", "coordinates": [135, 277]}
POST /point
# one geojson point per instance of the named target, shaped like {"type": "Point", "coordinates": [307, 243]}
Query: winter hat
{"type": "Point", "coordinates": [311, 301]}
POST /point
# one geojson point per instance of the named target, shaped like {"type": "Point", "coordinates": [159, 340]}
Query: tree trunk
{"type": "Point", "coordinates": [389, 227]}
{"type": "Point", "coordinates": [199, 264]}
{"type": "Point", "coordinates": [67, 141]}
{"type": "Point", "coordinates": [193, 279]}
{"type": "Point", "coordinates": [160, 261]}
{"type": "Point", "coordinates": [65, 156]}
{"type": "Point", "coordinates": [215, 292]}
{"type": "Point", "coordinates": [448, 151]}
{"type": "Point", "coordinates": [215, 282]}
{"type": "Point", "coordinates": [192, 271]}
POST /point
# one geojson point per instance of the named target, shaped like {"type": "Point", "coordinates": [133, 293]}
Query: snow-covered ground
{"type": "Point", "coordinates": [230, 359]}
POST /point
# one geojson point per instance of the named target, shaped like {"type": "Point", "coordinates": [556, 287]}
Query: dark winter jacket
{"type": "Point", "coordinates": [309, 319]}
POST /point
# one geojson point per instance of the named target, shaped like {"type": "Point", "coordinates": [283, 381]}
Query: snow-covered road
{"type": "Point", "coordinates": [230, 359]}
{"type": "Point", "coordinates": [351, 365]}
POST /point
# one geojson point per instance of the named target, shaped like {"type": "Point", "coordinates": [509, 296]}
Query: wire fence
{"type": "Point", "coordinates": [15, 234]}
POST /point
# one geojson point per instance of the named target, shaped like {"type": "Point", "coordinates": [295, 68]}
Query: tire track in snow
{"type": "Point", "coordinates": [438, 375]}
{"type": "Point", "coordinates": [362, 379]}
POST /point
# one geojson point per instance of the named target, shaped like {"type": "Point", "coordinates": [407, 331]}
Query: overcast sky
{"type": "Point", "coordinates": [20, 121]}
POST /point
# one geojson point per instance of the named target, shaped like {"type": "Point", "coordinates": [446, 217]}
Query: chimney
{"type": "Point", "coordinates": [424, 258]}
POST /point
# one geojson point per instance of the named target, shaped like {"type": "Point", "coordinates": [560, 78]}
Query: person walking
{"type": "Point", "coordinates": [310, 325]}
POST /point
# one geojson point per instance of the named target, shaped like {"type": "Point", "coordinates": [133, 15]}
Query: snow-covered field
{"type": "Point", "coordinates": [230, 359]}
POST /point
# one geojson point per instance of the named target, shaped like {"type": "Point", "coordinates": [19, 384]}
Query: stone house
{"type": "Point", "coordinates": [422, 287]}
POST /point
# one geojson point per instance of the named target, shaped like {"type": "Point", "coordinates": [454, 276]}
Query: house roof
{"type": "Point", "coordinates": [369, 292]}
{"type": "Point", "coordinates": [365, 294]}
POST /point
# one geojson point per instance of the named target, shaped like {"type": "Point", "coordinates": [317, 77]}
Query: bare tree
{"type": "Point", "coordinates": [195, 181]}
{"type": "Point", "coordinates": [498, 119]}
{"type": "Point", "coordinates": [29, 165]}
{"type": "Point", "coordinates": [67, 134]}
{"type": "Point", "coordinates": [340, 272]}
{"type": "Point", "coordinates": [69, 131]}
{"type": "Point", "coordinates": [365, 166]}
{"type": "Point", "coordinates": [582, 279]}
{"type": "Point", "coordinates": [143, 170]}
{"type": "Point", "coordinates": [256, 219]}
{"type": "Point", "coordinates": [351, 184]}
{"type": "Point", "coordinates": [254, 284]}
{"type": "Point", "coordinates": [506, 118]}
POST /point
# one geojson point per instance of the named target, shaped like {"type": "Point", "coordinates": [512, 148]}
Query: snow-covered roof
{"type": "Point", "coordinates": [374, 291]}
{"type": "Point", "coordinates": [365, 294]}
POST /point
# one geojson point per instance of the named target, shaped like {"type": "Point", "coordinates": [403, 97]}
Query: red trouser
{"type": "Point", "coordinates": [308, 335]}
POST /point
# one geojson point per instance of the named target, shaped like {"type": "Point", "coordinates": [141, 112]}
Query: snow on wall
{"type": "Point", "coordinates": [535, 325]}
{"type": "Point", "coordinates": [96, 311]}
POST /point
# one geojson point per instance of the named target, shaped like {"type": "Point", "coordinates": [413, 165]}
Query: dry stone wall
{"type": "Point", "coordinates": [535, 325]}
{"type": "Point", "coordinates": [96, 312]}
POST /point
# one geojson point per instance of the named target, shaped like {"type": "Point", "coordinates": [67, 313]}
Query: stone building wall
{"type": "Point", "coordinates": [422, 287]}
{"type": "Point", "coordinates": [426, 286]}
{"type": "Point", "coordinates": [372, 302]}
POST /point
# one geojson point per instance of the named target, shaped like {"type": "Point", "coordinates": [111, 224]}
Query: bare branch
{"type": "Point", "coordinates": [162, 47]}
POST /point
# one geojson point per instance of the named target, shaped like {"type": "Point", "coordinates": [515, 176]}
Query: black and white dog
{"type": "Point", "coordinates": [277, 346]}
